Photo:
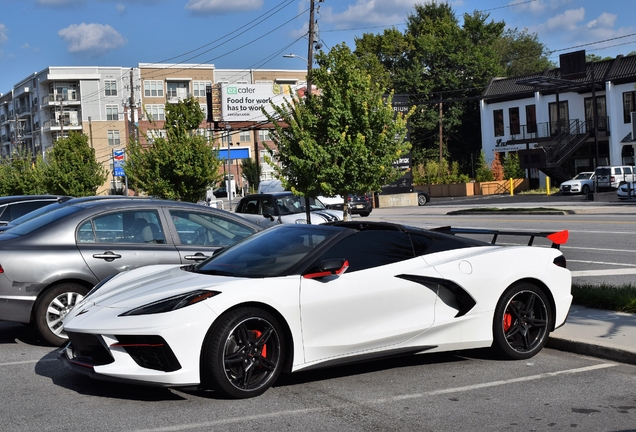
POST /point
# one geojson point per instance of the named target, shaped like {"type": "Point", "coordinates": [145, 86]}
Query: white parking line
{"type": "Point", "coordinates": [601, 263]}
{"type": "Point", "coordinates": [290, 413]}
{"type": "Point", "coordinates": [610, 272]}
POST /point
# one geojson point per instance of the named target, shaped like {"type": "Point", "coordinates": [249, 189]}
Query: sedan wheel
{"type": "Point", "coordinates": [421, 199]}
{"type": "Point", "coordinates": [586, 189]}
{"type": "Point", "coordinates": [243, 353]}
{"type": "Point", "coordinates": [51, 307]}
{"type": "Point", "coordinates": [522, 322]}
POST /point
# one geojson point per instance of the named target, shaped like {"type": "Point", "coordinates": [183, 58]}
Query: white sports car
{"type": "Point", "coordinates": [296, 297]}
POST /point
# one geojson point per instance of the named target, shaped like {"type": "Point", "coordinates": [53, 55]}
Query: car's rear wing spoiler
{"type": "Point", "coordinates": [558, 238]}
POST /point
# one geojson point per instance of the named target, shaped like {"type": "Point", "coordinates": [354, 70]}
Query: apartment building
{"type": "Point", "coordinates": [51, 103]}
{"type": "Point", "coordinates": [561, 126]}
{"type": "Point", "coordinates": [108, 104]}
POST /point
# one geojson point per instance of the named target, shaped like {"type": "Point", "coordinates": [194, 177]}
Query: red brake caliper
{"type": "Point", "coordinates": [264, 350]}
{"type": "Point", "coordinates": [507, 321]}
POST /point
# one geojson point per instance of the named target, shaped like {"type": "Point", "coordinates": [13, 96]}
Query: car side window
{"type": "Point", "coordinates": [137, 226]}
{"type": "Point", "coordinates": [267, 207]}
{"type": "Point", "coordinates": [368, 249]}
{"type": "Point", "coordinates": [628, 170]}
{"type": "Point", "coordinates": [16, 210]}
{"type": "Point", "coordinates": [200, 228]}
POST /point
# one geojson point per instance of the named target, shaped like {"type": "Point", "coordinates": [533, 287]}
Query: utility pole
{"type": "Point", "coordinates": [441, 142]}
{"type": "Point", "coordinates": [90, 129]}
{"type": "Point", "coordinates": [310, 50]}
{"type": "Point", "coordinates": [131, 124]}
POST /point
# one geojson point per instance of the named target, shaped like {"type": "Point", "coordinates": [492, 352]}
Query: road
{"type": "Point", "coordinates": [470, 390]}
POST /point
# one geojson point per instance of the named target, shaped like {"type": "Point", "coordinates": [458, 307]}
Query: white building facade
{"type": "Point", "coordinates": [549, 121]}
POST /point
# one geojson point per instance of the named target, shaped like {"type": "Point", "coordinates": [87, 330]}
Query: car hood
{"type": "Point", "coordinates": [152, 283]}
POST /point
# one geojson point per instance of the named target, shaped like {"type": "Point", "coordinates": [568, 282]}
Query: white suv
{"type": "Point", "coordinates": [610, 177]}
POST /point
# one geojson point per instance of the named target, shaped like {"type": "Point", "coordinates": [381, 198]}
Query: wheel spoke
{"type": "Point", "coordinates": [237, 357]}
{"type": "Point", "coordinates": [530, 305]}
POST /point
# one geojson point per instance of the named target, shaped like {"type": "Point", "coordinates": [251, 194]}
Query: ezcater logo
{"type": "Point", "coordinates": [237, 90]}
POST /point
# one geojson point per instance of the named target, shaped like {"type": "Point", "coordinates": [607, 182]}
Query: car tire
{"type": "Point", "coordinates": [522, 322]}
{"type": "Point", "coordinates": [586, 189]}
{"type": "Point", "coordinates": [421, 199]}
{"type": "Point", "coordinates": [243, 353]}
{"type": "Point", "coordinates": [52, 306]}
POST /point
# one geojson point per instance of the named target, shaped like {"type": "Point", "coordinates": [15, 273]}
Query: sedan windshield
{"type": "Point", "coordinates": [272, 252]}
{"type": "Point", "coordinates": [42, 220]}
{"type": "Point", "coordinates": [583, 176]}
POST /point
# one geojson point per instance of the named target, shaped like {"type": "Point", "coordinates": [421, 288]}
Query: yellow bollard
{"type": "Point", "coordinates": [547, 185]}
{"type": "Point", "coordinates": [512, 187]}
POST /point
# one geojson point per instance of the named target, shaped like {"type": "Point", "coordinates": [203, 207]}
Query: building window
{"type": "Point", "coordinates": [198, 88]}
{"type": "Point", "coordinates": [113, 138]}
{"type": "Point", "coordinates": [499, 122]}
{"type": "Point", "coordinates": [515, 127]}
{"type": "Point", "coordinates": [153, 134]}
{"type": "Point", "coordinates": [177, 90]}
{"type": "Point", "coordinates": [245, 136]}
{"type": "Point", "coordinates": [531, 118]}
{"type": "Point", "coordinates": [110, 88]}
{"type": "Point", "coordinates": [263, 135]}
{"type": "Point", "coordinates": [155, 112]}
{"type": "Point", "coordinates": [601, 114]}
{"type": "Point", "coordinates": [153, 88]}
{"type": "Point", "coordinates": [628, 106]}
{"type": "Point", "coordinates": [112, 112]}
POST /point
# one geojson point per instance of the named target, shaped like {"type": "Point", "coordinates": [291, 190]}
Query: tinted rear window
{"type": "Point", "coordinates": [602, 171]}
{"type": "Point", "coordinates": [45, 219]}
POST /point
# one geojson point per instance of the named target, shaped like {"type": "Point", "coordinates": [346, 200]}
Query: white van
{"type": "Point", "coordinates": [611, 177]}
{"type": "Point", "coordinates": [269, 186]}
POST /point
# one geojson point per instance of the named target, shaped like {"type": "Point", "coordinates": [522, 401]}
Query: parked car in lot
{"type": "Point", "coordinates": [14, 206]}
{"type": "Point", "coordinates": [581, 183]}
{"type": "Point", "coordinates": [358, 204]}
{"type": "Point", "coordinates": [300, 297]}
{"type": "Point", "coordinates": [611, 177]}
{"type": "Point", "coordinates": [282, 208]}
{"type": "Point", "coordinates": [48, 263]}
{"type": "Point", "coordinates": [626, 191]}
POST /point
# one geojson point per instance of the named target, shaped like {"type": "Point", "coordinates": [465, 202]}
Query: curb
{"type": "Point", "coordinates": [607, 353]}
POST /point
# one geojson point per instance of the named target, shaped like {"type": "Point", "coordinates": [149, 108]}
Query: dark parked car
{"type": "Point", "coordinates": [12, 207]}
{"type": "Point", "coordinates": [360, 204]}
{"type": "Point", "coordinates": [49, 263]}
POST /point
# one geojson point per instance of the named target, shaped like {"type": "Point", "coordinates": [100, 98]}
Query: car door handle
{"type": "Point", "coordinates": [107, 256]}
{"type": "Point", "coordinates": [196, 257]}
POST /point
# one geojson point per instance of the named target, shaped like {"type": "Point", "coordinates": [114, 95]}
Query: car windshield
{"type": "Point", "coordinates": [269, 253]}
{"type": "Point", "coordinates": [290, 204]}
{"type": "Point", "coordinates": [583, 176]}
{"type": "Point", "coordinates": [35, 213]}
{"type": "Point", "coordinates": [43, 220]}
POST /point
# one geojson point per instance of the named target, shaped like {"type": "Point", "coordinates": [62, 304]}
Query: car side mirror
{"type": "Point", "coordinates": [329, 267]}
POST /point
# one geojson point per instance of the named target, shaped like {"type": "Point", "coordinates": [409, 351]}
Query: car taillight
{"type": "Point", "coordinates": [1, 269]}
{"type": "Point", "coordinates": [560, 261]}
{"type": "Point", "coordinates": [612, 179]}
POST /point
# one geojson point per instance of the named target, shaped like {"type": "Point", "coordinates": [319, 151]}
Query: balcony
{"type": "Point", "coordinates": [177, 97]}
{"type": "Point", "coordinates": [51, 99]}
{"type": "Point", "coordinates": [23, 110]}
{"type": "Point", "coordinates": [57, 125]}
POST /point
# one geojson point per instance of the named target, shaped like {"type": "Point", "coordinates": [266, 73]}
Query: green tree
{"type": "Point", "coordinates": [521, 53]}
{"type": "Point", "coordinates": [440, 60]}
{"type": "Point", "coordinates": [250, 169]}
{"type": "Point", "coordinates": [483, 172]}
{"type": "Point", "coordinates": [71, 167]}
{"type": "Point", "coordinates": [180, 167]}
{"type": "Point", "coordinates": [512, 168]}
{"type": "Point", "coordinates": [344, 140]}
{"type": "Point", "coordinates": [22, 175]}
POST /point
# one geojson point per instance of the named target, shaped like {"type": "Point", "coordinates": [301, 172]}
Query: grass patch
{"type": "Point", "coordinates": [617, 298]}
{"type": "Point", "coordinates": [540, 191]}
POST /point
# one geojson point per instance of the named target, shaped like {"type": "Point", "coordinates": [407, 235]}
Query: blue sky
{"type": "Point", "coordinates": [244, 34]}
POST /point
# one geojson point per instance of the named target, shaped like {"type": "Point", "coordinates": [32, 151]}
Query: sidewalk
{"type": "Point", "coordinates": [597, 333]}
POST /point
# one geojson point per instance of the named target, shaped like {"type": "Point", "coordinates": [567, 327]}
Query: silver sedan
{"type": "Point", "coordinates": [49, 263]}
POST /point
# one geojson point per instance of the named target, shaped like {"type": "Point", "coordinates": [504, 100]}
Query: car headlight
{"type": "Point", "coordinates": [172, 303]}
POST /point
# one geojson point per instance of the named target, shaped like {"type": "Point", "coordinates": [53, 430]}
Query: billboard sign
{"type": "Point", "coordinates": [243, 102]}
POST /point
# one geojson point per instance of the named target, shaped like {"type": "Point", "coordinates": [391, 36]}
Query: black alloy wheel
{"type": "Point", "coordinates": [243, 353]}
{"type": "Point", "coordinates": [522, 322]}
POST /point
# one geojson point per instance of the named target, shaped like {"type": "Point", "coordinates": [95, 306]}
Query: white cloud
{"type": "Point", "coordinates": [383, 12]}
{"type": "Point", "coordinates": [3, 33]}
{"type": "Point", "coordinates": [223, 6]}
{"type": "Point", "coordinates": [538, 6]}
{"type": "Point", "coordinates": [121, 8]}
{"type": "Point", "coordinates": [604, 20]}
{"type": "Point", "coordinates": [567, 20]}
{"type": "Point", "coordinates": [25, 46]}
{"type": "Point", "coordinates": [91, 39]}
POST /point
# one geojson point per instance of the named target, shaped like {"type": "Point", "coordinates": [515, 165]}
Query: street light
{"type": "Point", "coordinates": [290, 55]}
